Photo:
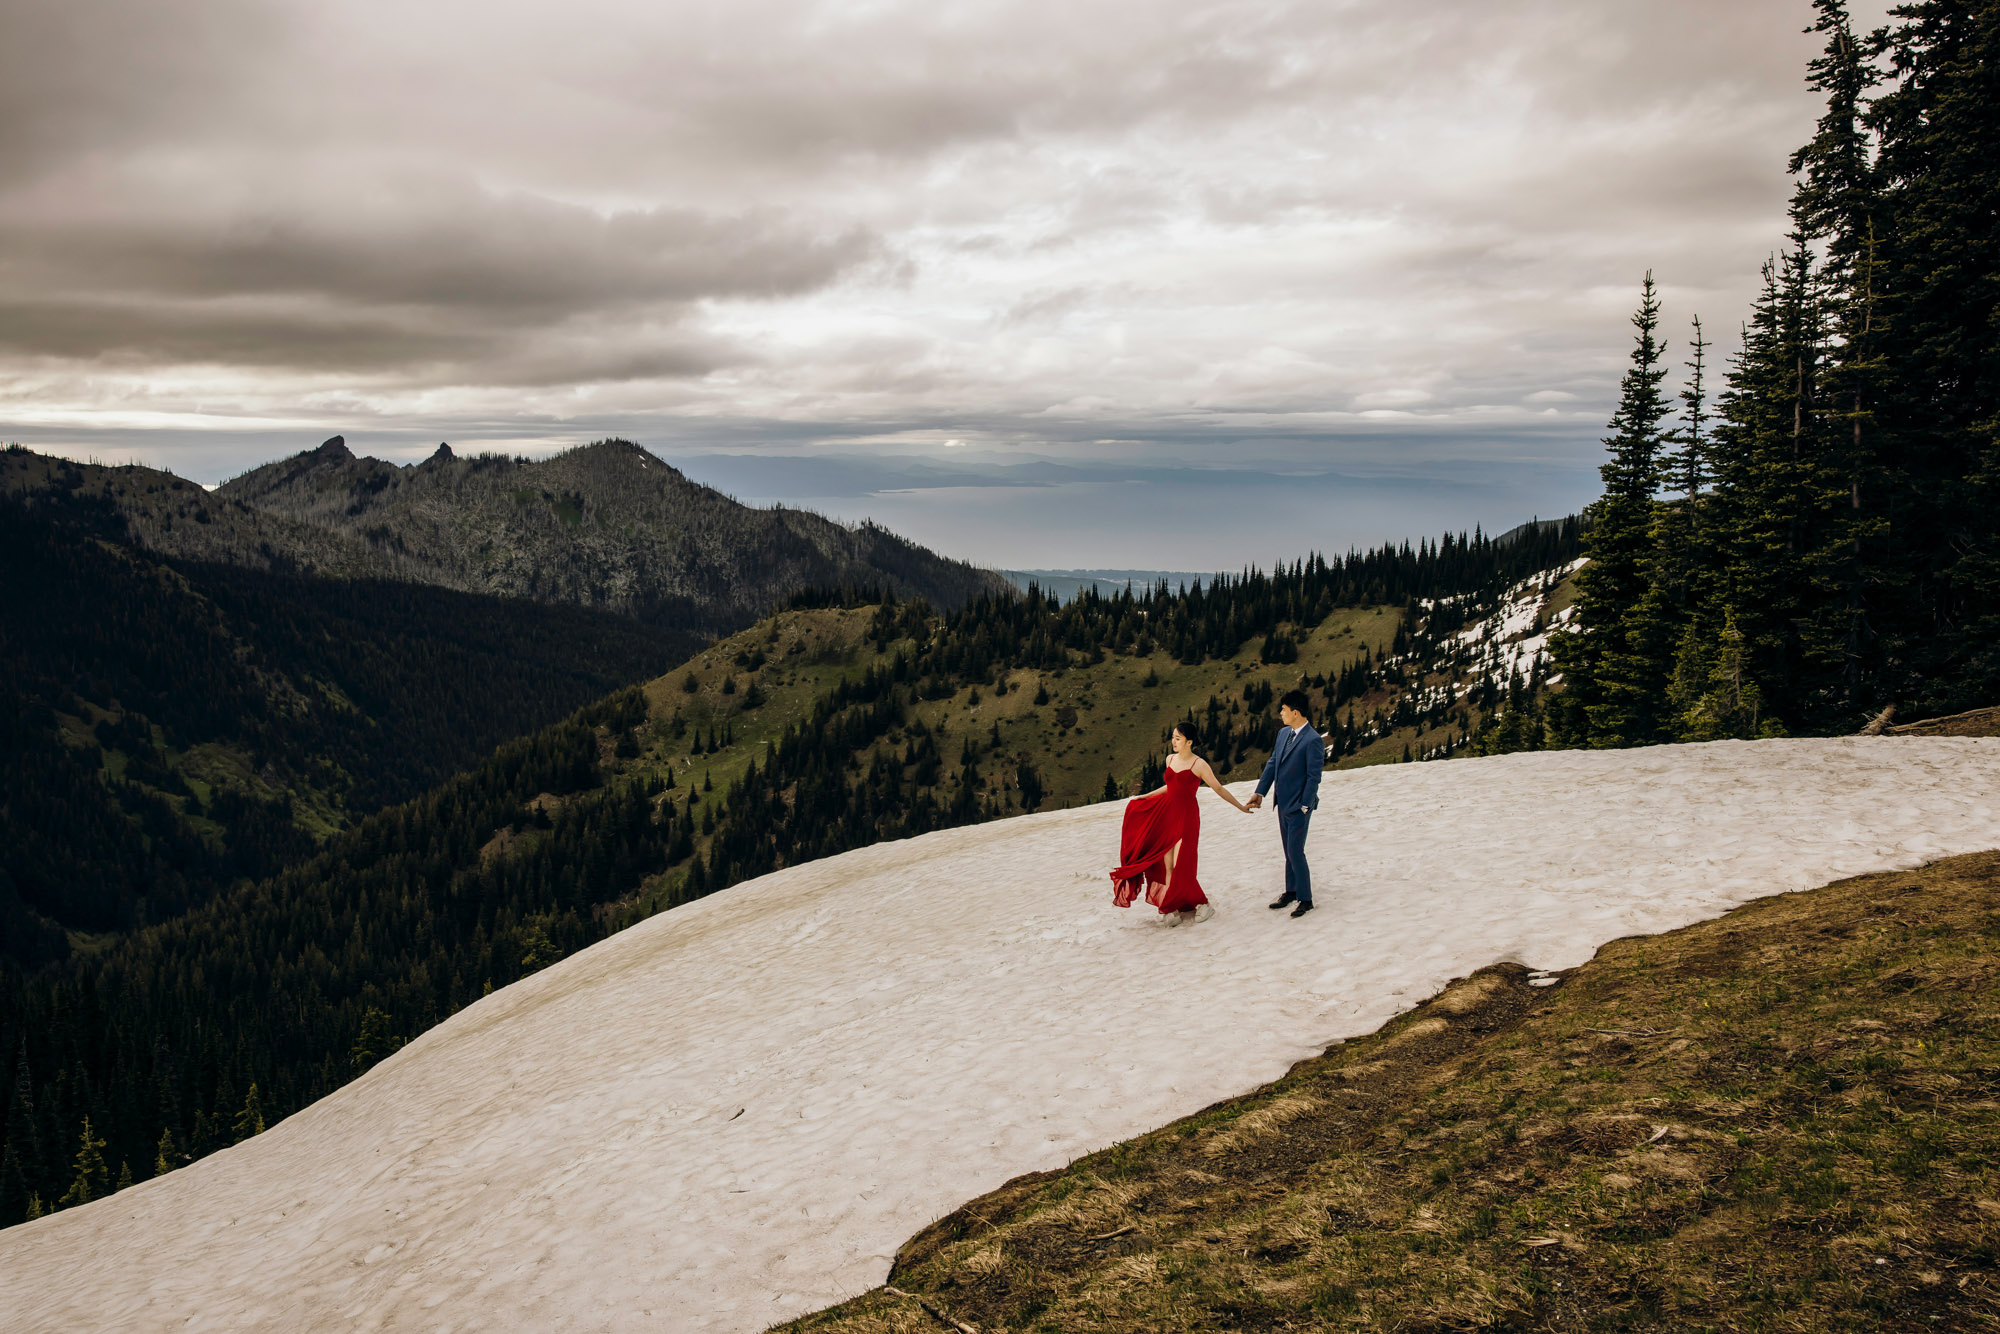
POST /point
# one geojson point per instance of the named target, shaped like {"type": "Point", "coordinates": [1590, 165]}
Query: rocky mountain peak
{"type": "Point", "coordinates": [607, 524]}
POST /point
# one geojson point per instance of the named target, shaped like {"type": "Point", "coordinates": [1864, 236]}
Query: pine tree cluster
{"type": "Point", "coordinates": [1826, 542]}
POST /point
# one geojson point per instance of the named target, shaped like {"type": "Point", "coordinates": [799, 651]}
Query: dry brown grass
{"type": "Point", "coordinates": [1787, 1119]}
{"type": "Point", "coordinates": [1978, 722]}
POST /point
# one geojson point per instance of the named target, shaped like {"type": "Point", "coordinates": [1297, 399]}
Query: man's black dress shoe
{"type": "Point", "coordinates": [1284, 898]}
{"type": "Point", "coordinates": [1302, 910]}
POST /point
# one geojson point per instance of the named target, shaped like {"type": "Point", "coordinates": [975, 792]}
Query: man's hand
{"type": "Point", "coordinates": [1256, 800]}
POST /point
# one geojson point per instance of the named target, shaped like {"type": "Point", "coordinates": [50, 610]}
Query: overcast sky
{"type": "Point", "coordinates": [1118, 282]}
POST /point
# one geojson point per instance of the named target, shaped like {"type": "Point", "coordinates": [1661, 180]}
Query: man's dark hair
{"type": "Point", "coordinates": [1296, 699]}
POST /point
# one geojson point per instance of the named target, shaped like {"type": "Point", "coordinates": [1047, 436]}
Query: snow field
{"type": "Point", "coordinates": [736, 1112]}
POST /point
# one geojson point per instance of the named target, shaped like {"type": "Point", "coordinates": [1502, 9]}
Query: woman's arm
{"type": "Point", "coordinates": [1207, 775]}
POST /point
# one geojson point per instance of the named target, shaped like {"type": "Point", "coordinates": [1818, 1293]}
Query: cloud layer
{"type": "Point", "coordinates": [1201, 228]}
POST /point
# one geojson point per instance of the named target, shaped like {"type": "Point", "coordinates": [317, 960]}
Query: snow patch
{"type": "Point", "coordinates": [737, 1111]}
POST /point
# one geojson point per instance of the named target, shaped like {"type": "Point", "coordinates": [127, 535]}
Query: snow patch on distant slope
{"type": "Point", "coordinates": [735, 1112]}
{"type": "Point", "coordinates": [1516, 634]}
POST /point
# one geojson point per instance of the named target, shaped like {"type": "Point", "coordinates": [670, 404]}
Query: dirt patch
{"type": "Point", "coordinates": [1784, 1119]}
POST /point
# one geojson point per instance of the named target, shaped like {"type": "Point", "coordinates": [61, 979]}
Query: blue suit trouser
{"type": "Point", "coordinates": [1298, 876]}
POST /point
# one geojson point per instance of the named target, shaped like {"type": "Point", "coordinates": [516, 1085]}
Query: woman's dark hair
{"type": "Point", "coordinates": [1296, 699]}
{"type": "Point", "coordinates": [1186, 729]}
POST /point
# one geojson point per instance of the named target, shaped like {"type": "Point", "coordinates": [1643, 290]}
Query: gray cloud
{"type": "Point", "coordinates": [440, 277]}
{"type": "Point", "coordinates": [1336, 232]}
{"type": "Point", "coordinates": [93, 77]}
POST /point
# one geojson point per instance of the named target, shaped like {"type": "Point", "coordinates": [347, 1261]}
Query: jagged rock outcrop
{"type": "Point", "coordinates": [606, 525]}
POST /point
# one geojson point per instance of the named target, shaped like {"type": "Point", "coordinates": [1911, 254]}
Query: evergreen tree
{"type": "Point", "coordinates": [1937, 338]}
{"type": "Point", "coordinates": [1614, 667]}
{"type": "Point", "coordinates": [1781, 530]}
{"type": "Point", "coordinates": [1847, 550]}
{"type": "Point", "coordinates": [1670, 622]}
{"type": "Point", "coordinates": [89, 1178]}
{"type": "Point", "coordinates": [1681, 553]}
{"type": "Point", "coordinates": [537, 950]}
{"type": "Point", "coordinates": [1029, 781]}
{"type": "Point", "coordinates": [1840, 208]}
{"type": "Point", "coordinates": [1713, 692]}
{"type": "Point", "coordinates": [166, 1157]}
{"type": "Point", "coordinates": [21, 1165]}
{"type": "Point", "coordinates": [250, 1119]}
{"type": "Point", "coordinates": [374, 1041]}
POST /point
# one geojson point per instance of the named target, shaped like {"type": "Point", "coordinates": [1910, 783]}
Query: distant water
{"type": "Point", "coordinates": [1066, 584]}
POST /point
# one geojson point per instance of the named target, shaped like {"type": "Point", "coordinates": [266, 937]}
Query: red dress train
{"type": "Point", "coordinates": [1153, 825]}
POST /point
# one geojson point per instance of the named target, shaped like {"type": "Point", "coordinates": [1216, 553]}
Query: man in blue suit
{"type": "Point", "coordinates": [1297, 757]}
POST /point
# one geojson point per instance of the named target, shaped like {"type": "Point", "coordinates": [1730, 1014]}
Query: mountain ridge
{"type": "Point", "coordinates": [606, 524]}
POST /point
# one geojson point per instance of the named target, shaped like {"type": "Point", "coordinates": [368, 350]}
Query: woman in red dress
{"type": "Point", "coordinates": [1161, 843]}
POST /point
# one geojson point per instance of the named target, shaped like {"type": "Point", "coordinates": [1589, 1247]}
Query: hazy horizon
{"type": "Point", "coordinates": [1149, 283]}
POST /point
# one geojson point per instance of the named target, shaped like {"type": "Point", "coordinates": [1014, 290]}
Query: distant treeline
{"type": "Point", "coordinates": [190, 1035]}
{"type": "Point", "coordinates": [1824, 540]}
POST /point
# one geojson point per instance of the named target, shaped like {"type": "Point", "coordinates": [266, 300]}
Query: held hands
{"type": "Point", "coordinates": [1256, 800]}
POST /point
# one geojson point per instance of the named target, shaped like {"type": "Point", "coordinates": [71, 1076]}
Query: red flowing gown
{"type": "Point", "coordinates": [1154, 823]}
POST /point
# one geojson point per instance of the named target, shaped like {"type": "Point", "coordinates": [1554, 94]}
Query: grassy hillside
{"type": "Point", "coordinates": [1783, 1119]}
{"type": "Point", "coordinates": [1093, 720]}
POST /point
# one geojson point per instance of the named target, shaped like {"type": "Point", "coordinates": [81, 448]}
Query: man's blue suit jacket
{"type": "Point", "coordinates": [1294, 768]}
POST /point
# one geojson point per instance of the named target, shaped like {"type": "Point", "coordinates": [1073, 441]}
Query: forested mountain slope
{"type": "Point", "coordinates": [173, 727]}
{"type": "Point", "coordinates": [174, 518]}
{"type": "Point", "coordinates": [819, 730]}
{"type": "Point", "coordinates": [604, 525]}
{"type": "Point", "coordinates": [202, 686]}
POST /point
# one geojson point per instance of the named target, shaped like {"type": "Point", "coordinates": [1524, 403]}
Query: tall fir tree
{"type": "Point", "coordinates": [90, 1179]}
{"type": "Point", "coordinates": [1776, 524]}
{"type": "Point", "coordinates": [21, 1166]}
{"type": "Point", "coordinates": [1938, 341]}
{"type": "Point", "coordinates": [1673, 609]}
{"type": "Point", "coordinates": [250, 1119]}
{"type": "Point", "coordinates": [1616, 673]}
{"type": "Point", "coordinates": [1839, 208]}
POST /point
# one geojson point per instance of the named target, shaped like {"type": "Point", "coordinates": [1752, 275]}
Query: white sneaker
{"type": "Point", "coordinates": [1170, 919]}
{"type": "Point", "coordinates": [1202, 912]}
